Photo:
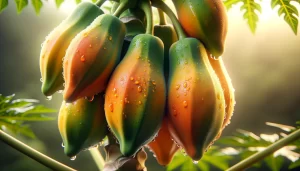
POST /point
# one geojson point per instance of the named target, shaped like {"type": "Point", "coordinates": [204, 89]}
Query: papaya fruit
{"type": "Point", "coordinates": [54, 47]}
{"type": "Point", "coordinates": [136, 93]}
{"type": "Point", "coordinates": [82, 124]}
{"type": "Point", "coordinates": [92, 56]}
{"type": "Point", "coordinates": [168, 35]}
{"type": "Point", "coordinates": [163, 145]}
{"type": "Point", "coordinates": [205, 20]}
{"type": "Point", "coordinates": [228, 90]}
{"type": "Point", "coordinates": [195, 98]}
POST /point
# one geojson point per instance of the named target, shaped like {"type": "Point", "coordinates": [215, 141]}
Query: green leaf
{"type": "Point", "coordinates": [3, 5]}
{"type": "Point", "coordinates": [20, 118]}
{"type": "Point", "coordinates": [251, 7]}
{"type": "Point", "coordinates": [58, 3]}
{"type": "Point", "coordinates": [77, 1]}
{"type": "Point", "coordinates": [203, 166]}
{"type": "Point", "coordinates": [21, 4]}
{"type": "Point", "coordinates": [295, 164]}
{"type": "Point", "coordinates": [289, 11]}
{"type": "Point", "coordinates": [17, 128]}
{"type": "Point", "coordinates": [229, 3]}
{"type": "Point", "coordinates": [37, 5]}
{"type": "Point", "coordinates": [39, 109]}
{"type": "Point", "coordinates": [274, 163]}
{"type": "Point", "coordinates": [178, 160]}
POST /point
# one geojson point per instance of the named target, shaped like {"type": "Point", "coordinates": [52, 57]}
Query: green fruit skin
{"type": "Point", "coordinates": [205, 20]}
{"type": "Point", "coordinates": [136, 94]}
{"type": "Point", "coordinates": [82, 124]}
{"type": "Point", "coordinates": [168, 35]}
{"type": "Point", "coordinates": [195, 98]}
{"type": "Point", "coordinates": [56, 43]}
{"type": "Point", "coordinates": [92, 56]}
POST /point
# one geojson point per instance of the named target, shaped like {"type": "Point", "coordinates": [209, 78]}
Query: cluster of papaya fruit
{"type": "Point", "coordinates": [161, 86]}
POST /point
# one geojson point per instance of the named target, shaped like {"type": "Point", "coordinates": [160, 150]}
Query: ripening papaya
{"type": "Point", "coordinates": [205, 20]}
{"type": "Point", "coordinates": [195, 98]}
{"type": "Point", "coordinates": [168, 35]}
{"type": "Point", "coordinates": [228, 90]}
{"type": "Point", "coordinates": [163, 145]}
{"type": "Point", "coordinates": [56, 43]}
{"type": "Point", "coordinates": [82, 124]}
{"type": "Point", "coordinates": [136, 93]}
{"type": "Point", "coordinates": [92, 56]}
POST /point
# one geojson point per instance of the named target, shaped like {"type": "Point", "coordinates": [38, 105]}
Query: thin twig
{"type": "Point", "coordinates": [34, 154]}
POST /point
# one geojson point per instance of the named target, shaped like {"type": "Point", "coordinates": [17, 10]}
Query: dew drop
{"type": "Point", "coordinates": [195, 162]}
{"type": "Point", "coordinates": [110, 38]}
{"type": "Point", "coordinates": [82, 58]}
{"type": "Point", "coordinates": [131, 78]}
{"type": "Point", "coordinates": [42, 44]}
{"type": "Point", "coordinates": [90, 45]}
{"type": "Point", "coordinates": [218, 96]}
{"type": "Point", "coordinates": [153, 82]}
{"type": "Point", "coordinates": [91, 98]}
{"type": "Point", "coordinates": [136, 82]}
{"type": "Point", "coordinates": [73, 158]}
{"type": "Point", "coordinates": [126, 100]}
{"type": "Point", "coordinates": [140, 102]}
{"type": "Point", "coordinates": [114, 90]}
{"type": "Point", "coordinates": [49, 98]}
{"type": "Point", "coordinates": [63, 145]}
{"type": "Point", "coordinates": [139, 89]}
{"type": "Point", "coordinates": [60, 91]}
{"type": "Point", "coordinates": [111, 107]}
{"type": "Point", "coordinates": [185, 104]}
{"type": "Point", "coordinates": [85, 34]}
{"type": "Point", "coordinates": [177, 87]}
{"type": "Point", "coordinates": [185, 84]}
{"type": "Point", "coordinates": [41, 79]}
{"type": "Point", "coordinates": [174, 112]}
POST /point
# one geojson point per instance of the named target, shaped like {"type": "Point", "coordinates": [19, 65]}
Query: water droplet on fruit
{"type": "Point", "coordinates": [114, 90]}
{"type": "Point", "coordinates": [174, 112]}
{"type": "Point", "coordinates": [185, 84]}
{"type": "Point", "coordinates": [140, 102]}
{"type": "Point", "coordinates": [153, 82]}
{"type": "Point", "coordinates": [90, 45]}
{"type": "Point", "coordinates": [185, 104]}
{"type": "Point", "coordinates": [63, 145]}
{"type": "Point", "coordinates": [73, 158]}
{"type": "Point", "coordinates": [82, 58]}
{"type": "Point", "coordinates": [195, 162]}
{"type": "Point", "coordinates": [139, 89]}
{"type": "Point", "coordinates": [41, 79]}
{"type": "Point", "coordinates": [126, 100]}
{"type": "Point", "coordinates": [110, 38]}
{"type": "Point", "coordinates": [49, 98]}
{"type": "Point", "coordinates": [131, 78]}
{"type": "Point", "coordinates": [111, 107]}
{"type": "Point", "coordinates": [91, 98]}
{"type": "Point", "coordinates": [136, 82]}
{"type": "Point", "coordinates": [218, 96]}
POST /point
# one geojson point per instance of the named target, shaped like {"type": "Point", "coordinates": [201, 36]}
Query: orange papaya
{"type": "Point", "coordinates": [228, 90]}
{"type": "Point", "coordinates": [56, 43]}
{"type": "Point", "coordinates": [82, 124]}
{"type": "Point", "coordinates": [205, 20]}
{"type": "Point", "coordinates": [163, 145]}
{"type": "Point", "coordinates": [136, 93]}
{"type": "Point", "coordinates": [195, 98]}
{"type": "Point", "coordinates": [92, 56]}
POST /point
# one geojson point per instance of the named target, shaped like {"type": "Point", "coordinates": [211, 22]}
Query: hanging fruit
{"type": "Point", "coordinates": [57, 42]}
{"type": "Point", "coordinates": [82, 124]}
{"type": "Point", "coordinates": [163, 145]}
{"type": "Point", "coordinates": [205, 20]}
{"type": "Point", "coordinates": [92, 56]}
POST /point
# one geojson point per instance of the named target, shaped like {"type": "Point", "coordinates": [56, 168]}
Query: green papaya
{"type": "Point", "coordinates": [54, 48]}
{"type": "Point", "coordinates": [136, 93]}
{"type": "Point", "coordinates": [205, 20]}
{"type": "Point", "coordinates": [168, 35]}
{"type": "Point", "coordinates": [195, 98]}
{"type": "Point", "coordinates": [92, 56]}
{"type": "Point", "coordinates": [82, 124]}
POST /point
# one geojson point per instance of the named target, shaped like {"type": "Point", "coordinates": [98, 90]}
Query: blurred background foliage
{"type": "Point", "coordinates": [264, 69]}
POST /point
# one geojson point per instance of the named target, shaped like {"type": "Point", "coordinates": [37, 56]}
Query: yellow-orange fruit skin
{"type": "Point", "coordinates": [163, 145]}
{"type": "Point", "coordinates": [195, 98]}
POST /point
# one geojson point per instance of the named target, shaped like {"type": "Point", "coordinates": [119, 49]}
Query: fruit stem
{"type": "Point", "coordinates": [162, 18]}
{"type": "Point", "coordinates": [121, 8]}
{"type": "Point", "coordinates": [97, 157]}
{"type": "Point", "coordinates": [34, 154]}
{"type": "Point", "coordinates": [99, 3]}
{"type": "Point", "coordinates": [266, 152]}
{"type": "Point", "coordinates": [146, 7]}
{"type": "Point", "coordinates": [161, 5]}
